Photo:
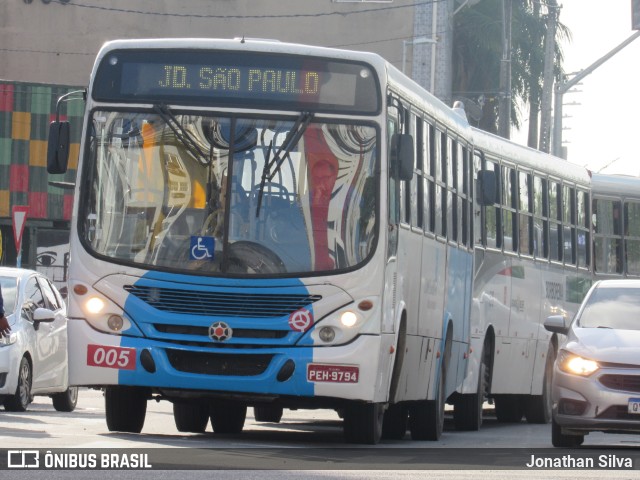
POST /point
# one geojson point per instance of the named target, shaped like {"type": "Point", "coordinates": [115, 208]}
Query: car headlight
{"type": "Point", "coordinates": [575, 364]}
{"type": "Point", "coordinates": [10, 340]}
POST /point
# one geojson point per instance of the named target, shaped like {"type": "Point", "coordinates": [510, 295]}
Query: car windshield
{"type": "Point", "coordinates": [617, 308]}
{"type": "Point", "coordinates": [219, 195]}
{"type": "Point", "coordinates": [9, 293]}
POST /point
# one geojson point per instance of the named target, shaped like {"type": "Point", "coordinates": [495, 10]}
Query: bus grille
{"type": "Point", "coordinates": [204, 331]}
{"type": "Point", "coordinates": [218, 364]}
{"type": "Point", "coordinates": [225, 304]}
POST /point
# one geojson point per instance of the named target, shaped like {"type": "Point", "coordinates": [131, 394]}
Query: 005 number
{"type": "Point", "coordinates": [111, 357]}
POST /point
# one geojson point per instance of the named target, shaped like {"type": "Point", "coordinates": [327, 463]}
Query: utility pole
{"type": "Point", "coordinates": [547, 85]}
{"type": "Point", "coordinates": [504, 109]}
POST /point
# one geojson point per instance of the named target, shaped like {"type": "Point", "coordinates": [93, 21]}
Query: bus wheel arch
{"type": "Point", "coordinates": [537, 408]}
{"type": "Point", "coordinates": [426, 417]}
{"type": "Point", "coordinates": [468, 408]}
{"type": "Point", "coordinates": [395, 422]}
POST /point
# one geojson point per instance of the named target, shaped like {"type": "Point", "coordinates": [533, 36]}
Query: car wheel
{"type": "Point", "coordinates": [20, 400]}
{"type": "Point", "coordinates": [559, 439]}
{"type": "Point", "coordinates": [66, 401]}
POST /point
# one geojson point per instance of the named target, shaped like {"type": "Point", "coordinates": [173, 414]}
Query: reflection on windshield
{"type": "Point", "coordinates": [205, 205]}
{"type": "Point", "coordinates": [617, 308]}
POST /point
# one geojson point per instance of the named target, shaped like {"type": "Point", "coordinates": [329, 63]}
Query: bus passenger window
{"type": "Point", "coordinates": [632, 237]}
{"type": "Point", "coordinates": [608, 238]}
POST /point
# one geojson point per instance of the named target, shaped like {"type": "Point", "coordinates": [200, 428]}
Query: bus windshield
{"type": "Point", "coordinates": [229, 195]}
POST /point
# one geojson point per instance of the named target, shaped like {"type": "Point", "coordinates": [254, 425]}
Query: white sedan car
{"type": "Point", "coordinates": [596, 380]}
{"type": "Point", "coordinates": [33, 359]}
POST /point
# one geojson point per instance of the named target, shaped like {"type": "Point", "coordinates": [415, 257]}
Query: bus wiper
{"type": "Point", "coordinates": [290, 141]}
{"type": "Point", "coordinates": [181, 133]}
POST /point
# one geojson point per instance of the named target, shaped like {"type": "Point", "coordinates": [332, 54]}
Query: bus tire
{"type": "Point", "coordinates": [467, 411]}
{"type": "Point", "coordinates": [559, 439]}
{"type": "Point", "coordinates": [426, 417]}
{"type": "Point", "coordinates": [65, 401]}
{"type": "Point", "coordinates": [508, 408]}
{"type": "Point", "coordinates": [394, 424]}
{"type": "Point", "coordinates": [191, 417]}
{"type": "Point", "coordinates": [227, 416]}
{"type": "Point", "coordinates": [267, 413]}
{"type": "Point", "coordinates": [363, 423]}
{"type": "Point", "coordinates": [538, 407]}
{"type": "Point", "coordinates": [125, 408]}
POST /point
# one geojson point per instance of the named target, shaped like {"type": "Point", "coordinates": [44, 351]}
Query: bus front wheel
{"type": "Point", "coordinates": [227, 416]}
{"type": "Point", "coordinates": [191, 417]}
{"type": "Point", "coordinates": [363, 423]}
{"type": "Point", "coordinates": [125, 408]}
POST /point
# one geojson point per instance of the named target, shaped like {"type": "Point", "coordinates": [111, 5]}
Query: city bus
{"type": "Point", "coordinates": [616, 209]}
{"type": "Point", "coordinates": [277, 226]}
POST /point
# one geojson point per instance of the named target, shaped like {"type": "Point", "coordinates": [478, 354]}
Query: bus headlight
{"type": "Point", "coordinates": [99, 311]}
{"type": "Point", "coordinates": [95, 305]}
{"type": "Point", "coordinates": [348, 319]}
{"type": "Point", "coordinates": [344, 324]}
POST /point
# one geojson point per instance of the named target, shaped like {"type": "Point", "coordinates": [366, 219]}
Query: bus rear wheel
{"type": "Point", "coordinates": [394, 426]}
{"type": "Point", "coordinates": [125, 408]}
{"type": "Point", "coordinates": [363, 423]}
{"type": "Point", "coordinates": [509, 408]}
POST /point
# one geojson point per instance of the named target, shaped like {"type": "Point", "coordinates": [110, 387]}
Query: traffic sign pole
{"type": "Point", "coordinates": [19, 215]}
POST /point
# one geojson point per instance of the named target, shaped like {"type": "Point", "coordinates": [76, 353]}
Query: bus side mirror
{"type": "Point", "coordinates": [58, 147]}
{"type": "Point", "coordinates": [401, 156]}
{"type": "Point", "coordinates": [486, 188]}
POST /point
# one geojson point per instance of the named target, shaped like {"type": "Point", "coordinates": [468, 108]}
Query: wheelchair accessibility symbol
{"type": "Point", "coordinates": [202, 248]}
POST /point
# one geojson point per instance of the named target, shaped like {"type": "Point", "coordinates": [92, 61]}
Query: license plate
{"type": "Point", "coordinates": [634, 406]}
{"type": "Point", "coordinates": [317, 372]}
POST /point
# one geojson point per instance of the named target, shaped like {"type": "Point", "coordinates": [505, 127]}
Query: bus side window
{"type": "Point", "coordinates": [632, 237]}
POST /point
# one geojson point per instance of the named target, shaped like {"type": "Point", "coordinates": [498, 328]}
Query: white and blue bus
{"type": "Point", "coordinates": [267, 225]}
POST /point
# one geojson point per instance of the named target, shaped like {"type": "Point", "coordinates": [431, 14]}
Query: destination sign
{"type": "Point", "coordinates": [237, 78]}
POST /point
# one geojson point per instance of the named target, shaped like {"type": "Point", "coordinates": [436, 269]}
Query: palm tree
{"type": "Point", "coordinates": [477, 52]}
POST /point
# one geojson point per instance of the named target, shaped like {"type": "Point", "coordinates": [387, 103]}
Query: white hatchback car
{"type": "Point", "coordinates": [33, 359]}
{"type": "Point", "coordinates": [596, 378]}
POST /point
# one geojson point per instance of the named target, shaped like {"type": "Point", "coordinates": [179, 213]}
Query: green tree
{"type": "Point", "coordinates": [477, 53]}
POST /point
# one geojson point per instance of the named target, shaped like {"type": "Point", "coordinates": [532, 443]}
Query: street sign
{"type": "Point", "coordinates": [19, 215]}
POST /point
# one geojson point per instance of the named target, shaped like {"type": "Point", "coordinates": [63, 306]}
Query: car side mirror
{"type": "Point", "coordinates": [43, 315]}
{"type": "Point", "coordinates": [58, 147]}
{"type": "Point", "coordinates": [557, 324]}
